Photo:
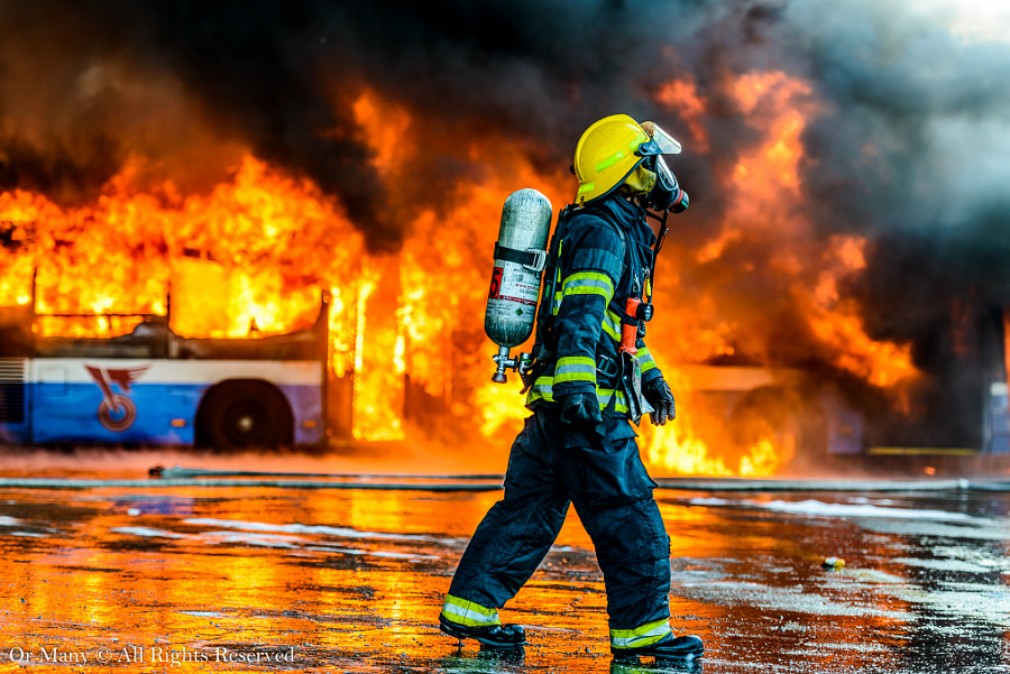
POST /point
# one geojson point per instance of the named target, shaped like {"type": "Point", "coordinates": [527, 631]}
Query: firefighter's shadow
{"type": "Point", "coordinates": [484, 661]}
{"type": "Point", "coordinates": [513, 661]}
{"type": "Point", "coordinates": [692, 666]}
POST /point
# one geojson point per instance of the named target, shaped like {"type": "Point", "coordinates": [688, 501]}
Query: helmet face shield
{"type": "Point", "coordinates": [667, 143]}
{"type": "Point", "coordinates": [666, 194]}
{"type": "Point", "coordinates": [661, 143]}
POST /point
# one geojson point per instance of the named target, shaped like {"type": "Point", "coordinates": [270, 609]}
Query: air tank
{"type": "Point", "coordinates": [519, 259]}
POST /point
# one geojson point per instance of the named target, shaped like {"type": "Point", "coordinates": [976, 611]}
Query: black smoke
{"type": "Point", "coordinates": [913, 154]}
{"type": "Point", "coordinates": [280, 77]}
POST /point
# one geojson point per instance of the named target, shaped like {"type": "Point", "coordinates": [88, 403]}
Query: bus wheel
{"type": "Point", "coordinates": [243, 415]}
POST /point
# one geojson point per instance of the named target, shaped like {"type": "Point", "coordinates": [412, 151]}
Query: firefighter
{"type": "Point", "coordinates": [591, 373]}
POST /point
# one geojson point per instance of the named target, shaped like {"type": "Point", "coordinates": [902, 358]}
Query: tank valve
{"type": "Point", "coordinates": [505, 362]}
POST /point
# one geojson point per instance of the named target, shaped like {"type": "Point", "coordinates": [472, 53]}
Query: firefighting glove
{"type": "Point", "coordinates": [581, 411]}
{"type": "Point", "coordinates": [659, 395]}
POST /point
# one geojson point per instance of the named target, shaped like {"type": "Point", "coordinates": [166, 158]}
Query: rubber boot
{"type": "Point", "coordinates": [493, 636]}
{"type": "Point", "coordinates": [678, 649]}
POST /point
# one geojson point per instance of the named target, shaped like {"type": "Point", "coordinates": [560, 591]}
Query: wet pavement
{"type": "Point", "coordinates": [232, 579]}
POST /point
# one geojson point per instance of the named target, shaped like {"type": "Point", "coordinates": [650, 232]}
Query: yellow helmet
{"type": "Point", "coordinates": [610, 150]}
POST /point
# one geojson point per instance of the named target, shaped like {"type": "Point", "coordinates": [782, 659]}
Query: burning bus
{"type": "Point", "coordinates": [151, 386]}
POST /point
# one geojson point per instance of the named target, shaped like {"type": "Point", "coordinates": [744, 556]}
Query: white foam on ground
{"type": "Point", "coordinates": [878, 501]}
{"type": "Point", "coordinates": [258, 539]}
{"type": "Point", "coordinates": [954, 565]}
{"type": "Point", "coordinates": [266, 540]}
{"type": "Point", "coordinates": [322, 530]}
{"type": "Point", "coordinates": [146, 532]}
{"type": "Point", "coordinates": [203, 614]}
{"type": "Point", "coordinates": [792, 599]}
{"type": "Point", "coordinates": [274, 536]}
{"type": "Point", "coordinates": [414, 557]}
{"type": "Point", "coordinates": [816, 508]}
{"type": "Point", "coordinates": [966, 601]}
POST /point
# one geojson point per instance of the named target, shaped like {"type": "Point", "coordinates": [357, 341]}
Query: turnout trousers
{"type": "Point", "coordinates": [549, 468]}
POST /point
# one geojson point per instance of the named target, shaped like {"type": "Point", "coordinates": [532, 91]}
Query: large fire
{"type": "Point", "coordinates": [250, 257]}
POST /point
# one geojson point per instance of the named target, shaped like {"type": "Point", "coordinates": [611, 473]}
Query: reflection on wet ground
{"type": "Point", "coordinates": [268, 579]}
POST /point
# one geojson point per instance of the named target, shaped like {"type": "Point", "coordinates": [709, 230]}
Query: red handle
{"type": "Point", "coordinates": [629, 333]}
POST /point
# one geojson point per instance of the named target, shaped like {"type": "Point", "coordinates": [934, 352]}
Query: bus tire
{"type": "Point", "coordinates": [244, 414]}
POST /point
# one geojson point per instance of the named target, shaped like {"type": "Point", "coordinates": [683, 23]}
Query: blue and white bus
{"type": "Point", "coordinates": [153, 387]}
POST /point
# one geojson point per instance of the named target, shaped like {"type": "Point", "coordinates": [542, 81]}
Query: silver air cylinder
{"type": "Point", "coordinates": [520, 256]}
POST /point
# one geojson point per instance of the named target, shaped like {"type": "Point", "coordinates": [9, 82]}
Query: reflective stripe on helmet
{"type": "Point", "coordinates": [610, 161]}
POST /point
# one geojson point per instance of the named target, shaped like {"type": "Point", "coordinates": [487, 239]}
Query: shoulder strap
{"type": "Point", "coordinates": [543, 344]}
{"type": "Point", "coordinates": [622, 289]}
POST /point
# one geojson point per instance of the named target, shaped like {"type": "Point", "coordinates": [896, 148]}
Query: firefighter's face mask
{"type": "Point", "coordinates": [665, 193]}
{"type": "Point", "coordinates": [641, 181]}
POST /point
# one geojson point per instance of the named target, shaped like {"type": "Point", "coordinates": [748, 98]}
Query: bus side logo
{"type": "Point", "coordinates": [116, 411]}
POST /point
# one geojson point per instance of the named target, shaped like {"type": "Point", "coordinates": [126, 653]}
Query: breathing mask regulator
{"type": "Point", "coordinates": [664, 195]}
{"type": "Point", "coordinates": [654, 186]}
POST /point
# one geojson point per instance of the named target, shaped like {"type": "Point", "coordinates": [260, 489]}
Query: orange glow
{"type": "Point", "coordinates": [764, 238]}
{"type": "Point", "coordinates": [836, 322]}
{"type": "Point", "coordinates": [682, 96]}
{"type": "Point", "coordinates": [699, 442]}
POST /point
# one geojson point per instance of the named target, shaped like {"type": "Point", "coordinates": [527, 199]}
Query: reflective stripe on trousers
{"type": "Point", "coordinates": [643, 635]}
{"type": "Point", "coordinates": [469, 613]}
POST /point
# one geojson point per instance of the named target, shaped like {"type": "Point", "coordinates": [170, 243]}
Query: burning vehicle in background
{"type": "Point", "coordinates": [773, 369]}
{"type": "Point", "coordinates": [147, 385]}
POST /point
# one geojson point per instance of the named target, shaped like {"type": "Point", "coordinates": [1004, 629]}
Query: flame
{"type": "Point", "coordinates": [249, 257]}
{"type": "Point", "coordinates": [231, 261]}
{"type": "Point", "coordinates": [682, 95]}
{"type": "Point", "coordinates": [378, 375]}
{"type": "Point", "coordinates": [500, 409]}
{"type": "Point", "coordinates": [837, 323]}
{"type": "Point", "coordinates": [762, 214]}
{"type": "Point", "coordinates": [699, 442]}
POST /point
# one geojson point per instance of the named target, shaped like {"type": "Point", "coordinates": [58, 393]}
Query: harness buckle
{"type": "Point", "coordinates": [607, 369]}
{"type": "Point", "coordinates": [539, 260]}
